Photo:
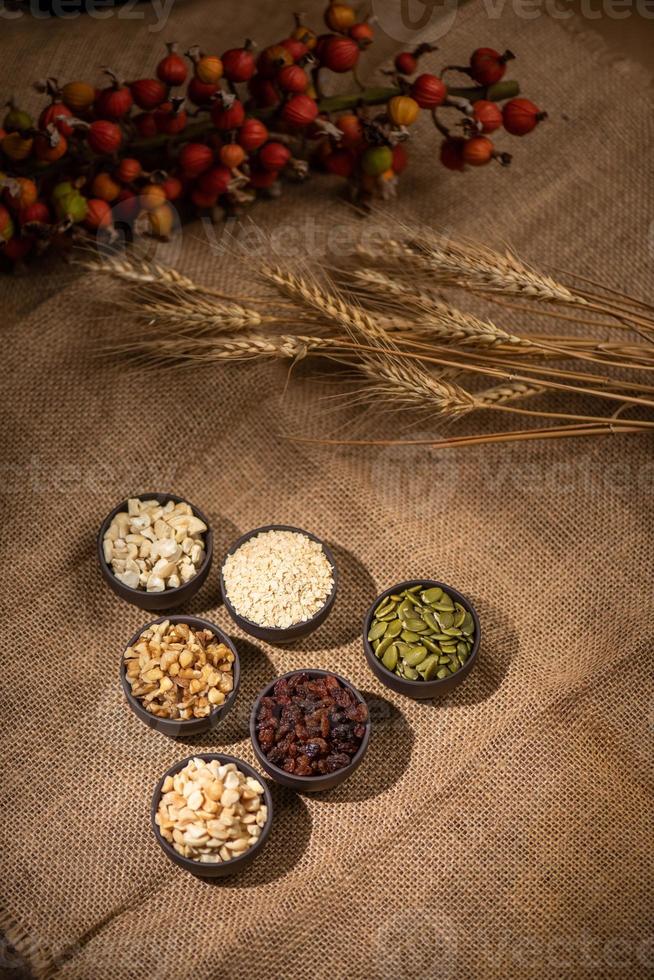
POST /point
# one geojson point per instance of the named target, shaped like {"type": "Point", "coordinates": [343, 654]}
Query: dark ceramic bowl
{"type": "Point", "coordinates": [169, 598]}
{"type": "Point", "coordinates": [272, 634]}
{"type": "Point", "coordinates": [197, 867]}
{"type": "Point", "coordinates": [177, 728]}
{"type": "Point", "coordinates": [307, 784]}
{"type": "Point", "coordinates": [420, 689]}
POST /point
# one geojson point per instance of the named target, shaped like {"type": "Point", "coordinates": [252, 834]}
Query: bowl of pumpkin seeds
{"type": "Point", "coordinates": [421, 638]}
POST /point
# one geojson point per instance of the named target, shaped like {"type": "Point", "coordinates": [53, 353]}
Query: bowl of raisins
{"type": "Point", "coordinates": [310, 729]}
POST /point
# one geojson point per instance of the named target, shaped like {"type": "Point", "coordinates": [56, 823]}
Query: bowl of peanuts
{"type": "Point", "coordinates": [211, 814]}
{"type": "Point", "coordinates": [180, 675]}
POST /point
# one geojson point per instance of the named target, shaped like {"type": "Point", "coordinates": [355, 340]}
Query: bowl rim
{"type": "Point", "coordinates": [219, 709]}
{"type": "Point", "coordinates": [188, 863]}
{"type": "Point", "coordinates": [304, 623]}
{"type": "Point", "coordinates": [310, 780]}
{"type": "Point", "coordinates": [208, 541]}
{"type": "Point", "coordinates": [428, 583]}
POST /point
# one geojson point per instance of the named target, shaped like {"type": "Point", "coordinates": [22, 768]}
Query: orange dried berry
{"type": "Point", "coordinates": [478, 151]}
{"type": "Point", "coordinates": [98, 214]}
{"type": "Point", "coordinates": [78, 96]}
{"type": "Point", "coordinates": [232, 155]}
{"type": "Point", "coordinates": [22, 194]}
{"type": "Point", "coordinates": [339, 17]}
{"type": "Point", "coordinates": [105, 187]}
{"type": "Point", "coordinates": [209, 69]}
{"type": "Point", "coordinates": [161, 220]}
{"type": "Point", "coordinates": [152, 196]}
{"type": "Point", "coordinates": [48, 150]}
{"type": "Point", "coordinates": [403, 110]}
{"type": "Point", "coordinates": [17, 147]}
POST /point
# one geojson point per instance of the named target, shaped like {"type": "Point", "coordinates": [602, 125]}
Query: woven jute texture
{"type": "Point", "coordinates": [503, 832]}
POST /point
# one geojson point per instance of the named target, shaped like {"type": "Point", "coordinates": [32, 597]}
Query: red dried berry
{"type": "Point", "coordinates": [194, 159]}
{"type": "Point", "coordinates": [129, 169]}
{"type": "Point", "coordinates": [252, 135]}
{"type": "Point", "coordinates": [38, 212]}
{"type": "Point", "coordinates": [488, 114]}
{"type": "Point", "coordinates": [114, 102]}
{"type": "Point", "coordinates": [172, 69]}
{"type": "Point", "coordinates": [300, 110]}
{"type": "Point", "coordinates": [98, 214]}
{"type": "Point", "coordinates": [228, 118]}
{"type": "Point", "coordinates": [104, 136]}
{"type": "Point", "coordinates": [296, 48]}
{"type": "Point", "coordinates": [56, 114]}
{"type": "Point", "coordinates": [274, 156]}
{"type": "Point", "coordinates": [362, 33]}
{"type": "Point", "coordinates": [429, 91]}
{"type": "Point", "coordinates": [169, 121]}
{"type": "Point", "coordinates": [200, 93]}
{"type": "Point", "coordinates": [488, 66]}
{"type": "Point", "coordinates": [520, 116]}
{"type": "Point", "coordinates": [341, 163]}
{"type": "Point", "coordinates": [292, 78]}
{"type": "Point", "coordinates": [148, 93]}
{"type": "Point", "coordinates": [339, 54]}
{"type": "Point", "coordinates": [215, 181]}
{"type": "Point", "coordinates": [238, 64]}
{"type": "Point", "coordinates": [172, 188]}
{"type": "Point", "coordinates": [405, 63]}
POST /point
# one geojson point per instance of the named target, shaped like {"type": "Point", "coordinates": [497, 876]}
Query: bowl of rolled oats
{"type": "Point", "coordinates": [155, 550]}
{"type": "Point", "coordinates": [279, 582]}
{"type": "Point", "coordinates": [211, 814]}
{"type": "Point", "coordinates": [180, 675]}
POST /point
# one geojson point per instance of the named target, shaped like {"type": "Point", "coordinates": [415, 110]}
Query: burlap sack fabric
{"type": "Point", "coordinates": [504, 832]}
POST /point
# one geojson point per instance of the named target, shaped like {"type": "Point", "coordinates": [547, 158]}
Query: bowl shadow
{"type": "Point", "coordinates": [288, 840]}
{"type": "Point", "coordinates": [256, 671]}
{"type": "Point", "coordinates": [387, 758]}
{"type": "Point", "coordinates": [356, 591]}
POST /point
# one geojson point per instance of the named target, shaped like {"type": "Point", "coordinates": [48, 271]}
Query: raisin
{"type": "Point", "coordinates": [289, 765]}
{"type": "Point", "coordinates": [336, 761]}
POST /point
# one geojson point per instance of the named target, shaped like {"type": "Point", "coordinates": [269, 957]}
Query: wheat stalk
{"type": "Point", "coordinates": [199, 312]}
{"type": "Point", "coordinates": [445, 322]}
{"type": "Point", "coordinates": [403, 382]}
{"type": "Point", "coordinates": [238, 347]}
{"type": "Point", "coordinates": [507, 392]}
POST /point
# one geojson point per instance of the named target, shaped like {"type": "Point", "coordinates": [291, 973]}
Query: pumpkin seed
{"type": "Point", "coordinates": [431, 595]}
{"type": "Point", "coordinates": [430, 619]}
{"type": "Point", "coordinates": [415, 625]}
{"type": "Point", "coordinates": [429, 667]}
{"type": "Point", "coordinates": [416, 656]}
{"type": "Point", "coordinates": [421, 633]}
{"type": "Point", "coordinates": [394, 628]}
{"type": "Point", "coordinates": [445, 619]}
{"type": "Point", "coordinates": [382, 645]}
{"type": "Point", "coordinates": [429, 643]}
{"type": "Point", "coordinates": [459, 615]}
{"type": "Point", "coordinates": [377, 630]}
{"type": "Point", "coordinates": [468, 625]}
